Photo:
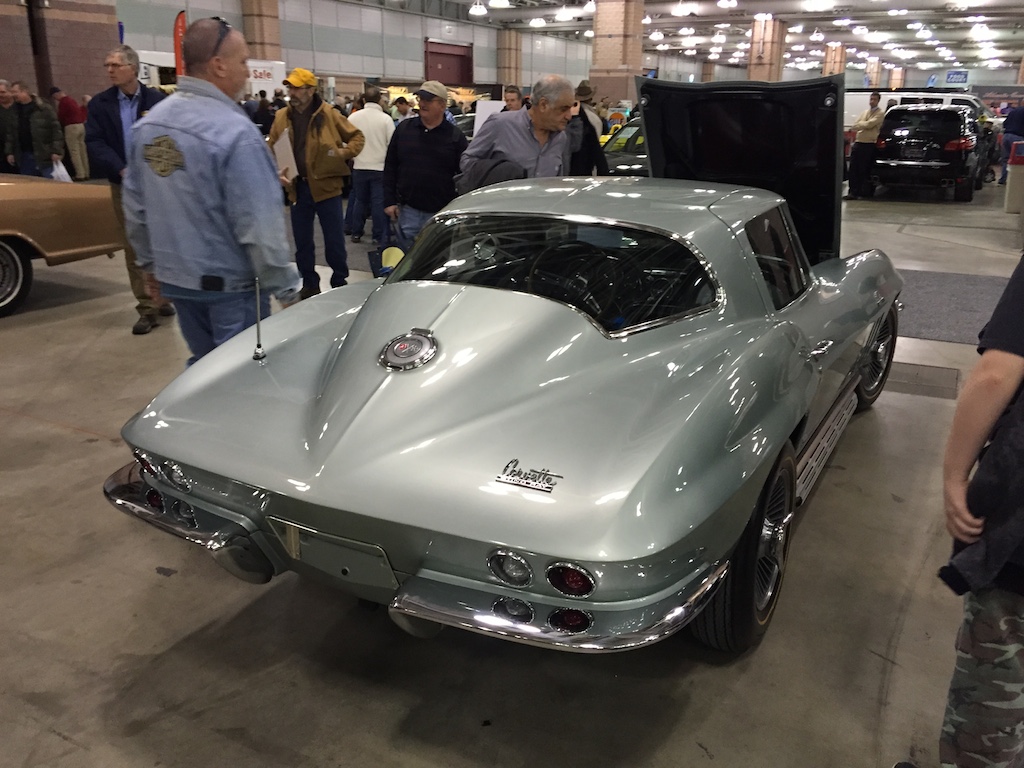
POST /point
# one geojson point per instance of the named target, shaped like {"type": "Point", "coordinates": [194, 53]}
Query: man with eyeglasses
{"type": "Point", "coordinates": [111, 114]}
{"type": "Point", "coordinates": [202, 197]}
{"type": "Point", "coordinates": [323, 141]}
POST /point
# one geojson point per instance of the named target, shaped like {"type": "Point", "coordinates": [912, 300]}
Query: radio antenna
{"type": "Point", "coordinates": [258, 353]}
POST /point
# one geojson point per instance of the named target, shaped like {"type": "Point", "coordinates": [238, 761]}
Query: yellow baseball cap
{"type": "Point", "coordinates": [300, 78]}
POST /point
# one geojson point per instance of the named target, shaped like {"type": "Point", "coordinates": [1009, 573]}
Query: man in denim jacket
{"type": "Point", "coordinates": [202, 198]}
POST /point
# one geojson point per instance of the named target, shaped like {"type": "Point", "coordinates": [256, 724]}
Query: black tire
{"type": "Point", "coordinates": [963, 192]}
{"type": "Point", "coordinates": [15, 275]}
{"type": "Point", "coordinates": [879, 354]}
{"type": "Point", "coordinates": [738, 615]}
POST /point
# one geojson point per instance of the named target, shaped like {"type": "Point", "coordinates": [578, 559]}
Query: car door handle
{"type": "Point", "coordinates": [820, 350]}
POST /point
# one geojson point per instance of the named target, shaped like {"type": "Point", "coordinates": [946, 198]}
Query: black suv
{"type": "Point", "coordinates": [931, 146]}
{"type": "Point", "coordinates": [625, 151]}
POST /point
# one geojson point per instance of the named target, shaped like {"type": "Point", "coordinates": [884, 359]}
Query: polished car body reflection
{"type": "Point", "coordinates": [50, 221]}
{"type": "Point", "coordinates": [580, 413]}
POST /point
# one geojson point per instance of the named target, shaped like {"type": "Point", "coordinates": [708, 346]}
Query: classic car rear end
{"type": "Point", "coordinates": [53, 221]}
{"type": "Point", "coordinates": [580, 413]}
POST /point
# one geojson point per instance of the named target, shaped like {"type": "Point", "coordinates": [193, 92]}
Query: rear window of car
{"type": "Point", "coordinates": [623, 278]}
{"type": "Point", "coordinates": [910, 123]}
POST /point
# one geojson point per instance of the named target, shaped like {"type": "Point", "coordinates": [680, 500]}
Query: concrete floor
{"type": "Point", "coordinates": [124, 647]}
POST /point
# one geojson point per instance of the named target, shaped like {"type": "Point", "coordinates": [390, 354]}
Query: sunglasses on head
{"type": "Point", "coordinates": [221, 34]}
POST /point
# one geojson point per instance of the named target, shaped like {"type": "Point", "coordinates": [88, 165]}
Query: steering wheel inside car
{"type": "Point", "coordinates": [584, 276]}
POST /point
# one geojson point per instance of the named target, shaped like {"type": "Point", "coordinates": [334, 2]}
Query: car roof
{"type": "Point", "coordinates": [672, 206]}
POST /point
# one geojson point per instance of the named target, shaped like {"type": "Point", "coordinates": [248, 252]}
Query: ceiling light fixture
{"type": "Point", "coordinates": [796, 30]}
{"type": "Point", "coordinates": [589, 33]}
{"type": "Point", "coordinates": [763, 16]}
{"type": "Point", "coordinates": [726, 3]}
{"type": "Point", "coordinates": [816, 36]}
{"type": "Point", "coordinates": [686, 31]}
{"type": "Point", "coordinates": [564, 14]}
{"type": "Point", "coordinates": [646, 19]}
{"type": "Point", "coordinates": [842, 22]}
{"type": "Point", "coordinates": [499, 3]}
{"type": "Point", "coordinates": [477, 9]}
{"type": "Point", "coordinates": [537, 22]}
{"type": "Point", "coordinates": [590, 6]}
{"type": "Point", "coordinates": [860, 30]}
{"type": "Point", "coordinates": [718, 38]}
{"type": "Point", "coordinates": [657, 35]}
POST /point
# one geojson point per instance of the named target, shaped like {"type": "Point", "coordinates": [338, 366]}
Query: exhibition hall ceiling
{"type": "Point", "coordinates": [922, 34]}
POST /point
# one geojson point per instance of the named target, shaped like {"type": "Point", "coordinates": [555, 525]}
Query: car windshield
{"type": "Point", "coordinates": [619, 276]}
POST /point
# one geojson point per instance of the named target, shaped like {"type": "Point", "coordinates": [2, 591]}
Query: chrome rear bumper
{"type": "Point", "coordinates": [423, 600]}
{"type": "Point", "coordinates": [231, 544]}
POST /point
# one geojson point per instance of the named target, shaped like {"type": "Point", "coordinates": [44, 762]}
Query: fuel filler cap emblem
{"type": "Point", "coordinates": [408, 351]}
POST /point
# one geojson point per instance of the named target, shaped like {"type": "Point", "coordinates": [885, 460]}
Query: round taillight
{"type": "Point", "coordinates": [571, 580]}
{"type": "Point", "coordinates": [513, 609]}
{"type": "Point", "coordinates": [510, 568]}
{"type": "Point", "coordinates": [154, 499]}
{"type": "Point", "coordinates": [570, 620]}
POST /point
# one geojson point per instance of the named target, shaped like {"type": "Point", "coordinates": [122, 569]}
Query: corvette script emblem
{"type": "Point", "coordinates": [537, 479]}
{"type": "Point", "coordinates": [410, 350]}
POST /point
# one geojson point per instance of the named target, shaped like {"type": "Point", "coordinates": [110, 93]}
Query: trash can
{"type": "Point", "coordinates": [1014, 202]}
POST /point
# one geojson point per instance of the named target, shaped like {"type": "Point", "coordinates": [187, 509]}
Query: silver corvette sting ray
{"type": "Point", "coordinates": [581, 413]}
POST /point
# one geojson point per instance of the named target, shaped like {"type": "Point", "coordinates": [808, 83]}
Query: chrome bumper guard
{"type": "Point", "coordinates": [423, 601]}
{"type": "Point", "coordinates": [231, 545]}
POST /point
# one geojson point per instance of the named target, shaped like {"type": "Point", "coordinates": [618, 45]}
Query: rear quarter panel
{"type": "Point", "coordinates": [61, 222]}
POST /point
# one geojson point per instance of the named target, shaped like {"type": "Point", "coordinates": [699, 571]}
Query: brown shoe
{"type": "Point", "coordinates": [144, 325]}
{"type": "Point", "coordinates": [309, 290]}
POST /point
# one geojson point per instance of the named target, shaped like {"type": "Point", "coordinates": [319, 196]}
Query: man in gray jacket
{"type": "Point", "coordinates": [202, 197]}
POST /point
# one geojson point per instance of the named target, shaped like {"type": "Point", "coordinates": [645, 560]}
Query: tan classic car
{"type": "Point", "coordinates": [53, 221]}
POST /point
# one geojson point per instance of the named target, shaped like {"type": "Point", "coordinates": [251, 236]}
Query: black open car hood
{"type": "Point", "coordinates": [784, 137]}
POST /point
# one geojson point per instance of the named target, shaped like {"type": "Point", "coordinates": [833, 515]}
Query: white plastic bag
{"type": "Point", "coordinates": [60, 173]}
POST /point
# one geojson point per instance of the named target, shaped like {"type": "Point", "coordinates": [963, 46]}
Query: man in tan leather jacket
{"type": "Point", "coordinates": [323, 141]}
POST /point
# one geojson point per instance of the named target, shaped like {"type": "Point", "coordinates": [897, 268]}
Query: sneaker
{"type": "Point", "coordinates": [850, 197]}
{"type": "Point", "coordinates": [144, 324]}
{"type": "Point", "coordinates": [308, 290]}
{"type": "Point", "coordinates": [1001, 182]}
{"type": "Point", "coordinates": [356, 238]}
{"type": "Point", "coordinates": [166, 310]}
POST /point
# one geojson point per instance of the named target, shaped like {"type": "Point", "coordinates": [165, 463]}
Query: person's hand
{"type": "Point", "coordinates": [284, 178]}
{"type": "Point", "coordinates": [961, 524]}
{"type": "Point", "coordinates": [122, 172]}
{"type": "Point", "coordinates": [10, 159]}
{"type": "Point", "coordinates": [56, 158]}
{"type": "Point", "coordinates": [392, 212]}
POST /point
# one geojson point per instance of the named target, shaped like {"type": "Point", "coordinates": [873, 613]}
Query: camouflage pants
{"type": "Point", "coordinates": [984, 722]}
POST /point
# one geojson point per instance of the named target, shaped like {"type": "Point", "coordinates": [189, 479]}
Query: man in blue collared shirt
{"type": "Point", "coordinates": [533, 138]}
{"type": "Point", "coordinates": [202, 197]}
{"type": "Point", "coordinates": [107, 136]}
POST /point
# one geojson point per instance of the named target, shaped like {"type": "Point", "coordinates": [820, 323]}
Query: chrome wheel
{"type": "Point", "coordinates": [773, 545]}
{"type": "Point", "coordinates": [15, 278]}
{"type": "Point", "coordinates": [875, 370]}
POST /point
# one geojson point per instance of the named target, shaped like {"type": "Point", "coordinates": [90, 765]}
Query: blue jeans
{"type": "Point", "coordinates": [209, 321]}
{"type": "Point", "coordinates": [367, 192]}
{"type": "Point", "coordinates": [27, 167]}
{"type": "Point", "coordinates": [1007, 148]}
{"type": "Point", "coordinates": [410, 222]}
{"type": "Point", "coordinates": [332, 224]}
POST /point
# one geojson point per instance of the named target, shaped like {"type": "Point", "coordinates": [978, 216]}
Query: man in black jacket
{"type": "Point", "coordinates": [107, 131]}
{"type": "Point", "coordinates": [421, 163]}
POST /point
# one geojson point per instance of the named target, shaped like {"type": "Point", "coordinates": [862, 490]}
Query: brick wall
{"type": "Point", "coordinates": [15, 46]}
{"type": "Point", "coordinates": [72, 40]}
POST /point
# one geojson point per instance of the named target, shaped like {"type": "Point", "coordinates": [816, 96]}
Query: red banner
{"type": "Point", "coordinates": [179, 32]}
